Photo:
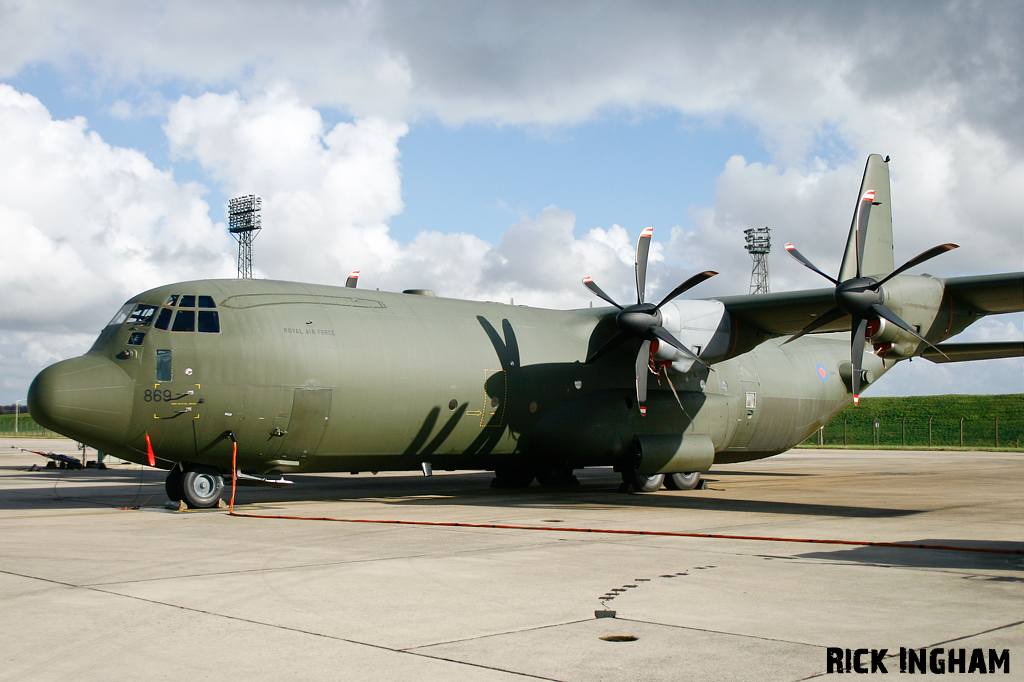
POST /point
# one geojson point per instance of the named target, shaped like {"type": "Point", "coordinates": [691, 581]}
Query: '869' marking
{"type": "Point", "coordinates": [154, 396]}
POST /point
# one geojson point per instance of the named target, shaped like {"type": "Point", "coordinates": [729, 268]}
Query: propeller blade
{"type": "Point", "coordinates": [665, 336]}
{"type": "Point", "coordinates": [863, 214]}
{"type": "Point", "coordinates": [643, 246]}
{"type": "Point", "coordinates": [353, 279]}
{"type": "Point", "coordinates": [806, 263]}
{"type": "Point", "coordinates": [643, 357]}
{"type": "Point", "coordinates": [927, 255]}
{"type": "Point", "coordinates": [611, 343]}
{"type": "Point", "coordinates": [857, 355]}
{"type": "Point", "coordinates": [687, 285]}
{"type": "Point", "coordinates": [589, 283]}
{"type": "Point", "coordinates": [884, 311]}
{"type": "Point", "coordinates": [833, 314]}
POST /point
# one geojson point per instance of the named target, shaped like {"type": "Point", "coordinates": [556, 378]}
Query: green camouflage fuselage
{"type": "Point", "coordinates": [315, 378]}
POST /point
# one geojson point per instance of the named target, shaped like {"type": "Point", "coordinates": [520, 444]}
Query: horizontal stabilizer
{"type": "Point", "coordinates": [962, 352]}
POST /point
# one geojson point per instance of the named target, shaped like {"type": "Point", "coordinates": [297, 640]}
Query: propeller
{"type": "Point", "coordinates": [643, 320]}
{"type": "Point", "coordinates": [353, 279]}
{"type": "Point", "coordinates": [861, 297]}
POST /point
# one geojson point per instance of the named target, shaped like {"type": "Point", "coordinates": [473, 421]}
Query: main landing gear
{"type": "Point", "coordinates": [197, 485]}
{"type": "Point", "coordinates": [642, 483]}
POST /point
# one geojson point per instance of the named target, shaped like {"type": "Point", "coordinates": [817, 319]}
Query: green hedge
{"type": "Point", "coordinates": [928, 421]}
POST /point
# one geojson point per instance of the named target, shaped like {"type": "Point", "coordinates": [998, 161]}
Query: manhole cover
{"type": "Point", "coordinates": [619, 638]}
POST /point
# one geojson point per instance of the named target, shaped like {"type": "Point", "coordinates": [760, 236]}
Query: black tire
{"type": "Point", "coordinates": [643, 483]}
{"type": "Point", "coordinates": [173, 484]}
{"type": "Point", "coordinates": [201, 487]}
{"type": "Point", "coordinates": [512, 477]}
{"type": "Point", "coordinates": [688, 481]}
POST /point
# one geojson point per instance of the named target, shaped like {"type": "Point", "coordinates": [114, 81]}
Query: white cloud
{"type": "Point", "coordinates": [936, 86]}
{"type": "Point", "coordinates": [84, 225]}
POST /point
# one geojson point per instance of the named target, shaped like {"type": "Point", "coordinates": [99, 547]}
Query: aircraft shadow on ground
{"type": "Point", "coordinates": [907, 557]}
{"type": "Point", "coordinates": [132, 487]}
{"type": "Point", "coordinates": [595, 489]}
{"type": "Point", "coordinates": [129, 488]}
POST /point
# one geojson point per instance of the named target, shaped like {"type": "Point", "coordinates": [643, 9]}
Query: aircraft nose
{"type": "Point", "coordinates": [88, 398]}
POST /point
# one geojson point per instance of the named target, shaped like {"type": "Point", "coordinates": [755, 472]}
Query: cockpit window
{"type": "Point", "coordinates": [209, 322]}
{"type": "Point", "coordinates": [187, 319]}
{"type": "Point", "coordinates": [142, 315]}
{"type": "Point", "coordinates": [163, 320]}
{"type": "Point", "coordinates": [122, 314]}
{"type": "Point", "coordinates": [184, 321]}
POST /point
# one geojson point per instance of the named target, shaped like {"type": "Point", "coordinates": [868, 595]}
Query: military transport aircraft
{"type": "Point", "coordinates": [307, 378]}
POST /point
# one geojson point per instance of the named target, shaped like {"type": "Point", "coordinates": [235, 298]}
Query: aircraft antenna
{"type": "Point", "coordinates": [244, 223]}
{"type": "Point", "coordinates": [759, 243]}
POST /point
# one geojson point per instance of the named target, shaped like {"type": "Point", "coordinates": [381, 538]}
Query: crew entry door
{"type": "Point", "coordinates": [311, 409]}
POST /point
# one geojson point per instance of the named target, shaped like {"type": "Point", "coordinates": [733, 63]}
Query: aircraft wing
{"type": "Point", "coordinates": [989, 294]}
{"type": "Point", "coordinates": [784, 313]}
{"type": "Point", "coordinates": [787, 313]}
{"type": "Point", "coordinates": [962, 352]}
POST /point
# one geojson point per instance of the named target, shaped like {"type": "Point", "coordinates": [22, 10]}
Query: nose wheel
{"type": "Point", "coordinates": [198, 486]}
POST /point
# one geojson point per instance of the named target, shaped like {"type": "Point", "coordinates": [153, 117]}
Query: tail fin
{"type": "Point", "coordinates": [877, 237]}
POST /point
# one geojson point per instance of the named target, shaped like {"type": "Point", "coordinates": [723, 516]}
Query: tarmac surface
{"type": "Point", "coordinates": [98, 581]}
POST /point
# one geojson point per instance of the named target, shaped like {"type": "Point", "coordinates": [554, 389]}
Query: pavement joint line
{"type": "Point", "coordinates": [250, 621]}
{"type": "Point", "coordinates": [501, 634]}
{"type": "Point", "coordinates": [326, 564]}
{"type": "Point", "coordinates": [717, 632]}
{"type": "Point", "coordinates": [978, 634]}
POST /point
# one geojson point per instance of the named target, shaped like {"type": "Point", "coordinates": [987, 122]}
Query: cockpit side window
{"type": "Point", "coordinates": [172, 300]}
{"type": "Point", "coordinates": [187, 302]}
{"type": "Point", "coordinates": [142, 316]}
{"type": "Point", "coordinates": [163, 365]}
{"type": "Point", "coordinates": [122, 314]}
{"type": "Point", "coordinates": [206, 302]}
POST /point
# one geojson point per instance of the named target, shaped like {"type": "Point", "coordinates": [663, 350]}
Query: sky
{"type": "Point", "coordinates": [496, 151]}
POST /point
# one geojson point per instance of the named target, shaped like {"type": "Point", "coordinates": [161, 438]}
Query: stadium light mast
{"type": "Point", "coordinates": [244, 223]}
{"type": "Point", "coordinates": [759, 243]}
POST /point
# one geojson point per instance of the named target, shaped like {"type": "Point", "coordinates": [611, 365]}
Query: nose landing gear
{"type": "Point", "coordinates": [197, 485]}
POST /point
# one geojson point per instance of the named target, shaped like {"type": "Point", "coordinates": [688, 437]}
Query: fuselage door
{"type": "Point", "coordinates": [311, 409]}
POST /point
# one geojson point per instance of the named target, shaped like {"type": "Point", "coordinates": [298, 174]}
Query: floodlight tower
{"type": "Point", "coordinates": [244, 222]}
{"type": "Point", "coordinates": [759, 243]}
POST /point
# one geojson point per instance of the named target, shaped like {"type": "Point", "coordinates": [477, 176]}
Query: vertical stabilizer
{"type": "Point", "coordinates": [877, 237]}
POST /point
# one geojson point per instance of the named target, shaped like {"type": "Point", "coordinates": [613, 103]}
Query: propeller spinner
{"type": "Point", "coordinates": [861, 297]}
{"type": "Point", "coordinates": [643, 320]}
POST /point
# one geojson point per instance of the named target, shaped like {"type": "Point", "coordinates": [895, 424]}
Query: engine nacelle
{"type": "Point", "coordinates": [702, 326]}
{"type": "Point", "coordinates": [916, 299]}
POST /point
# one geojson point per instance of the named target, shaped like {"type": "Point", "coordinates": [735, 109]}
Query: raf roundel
{"type": "Point", "coordinates": [822, 372]}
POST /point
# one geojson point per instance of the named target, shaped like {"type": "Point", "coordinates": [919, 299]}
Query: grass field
{"type": "Point", "coordinates": [942, 421]}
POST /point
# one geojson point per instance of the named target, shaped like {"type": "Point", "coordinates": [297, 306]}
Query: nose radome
{"type": "Point", "coordinates": [88, 398]}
